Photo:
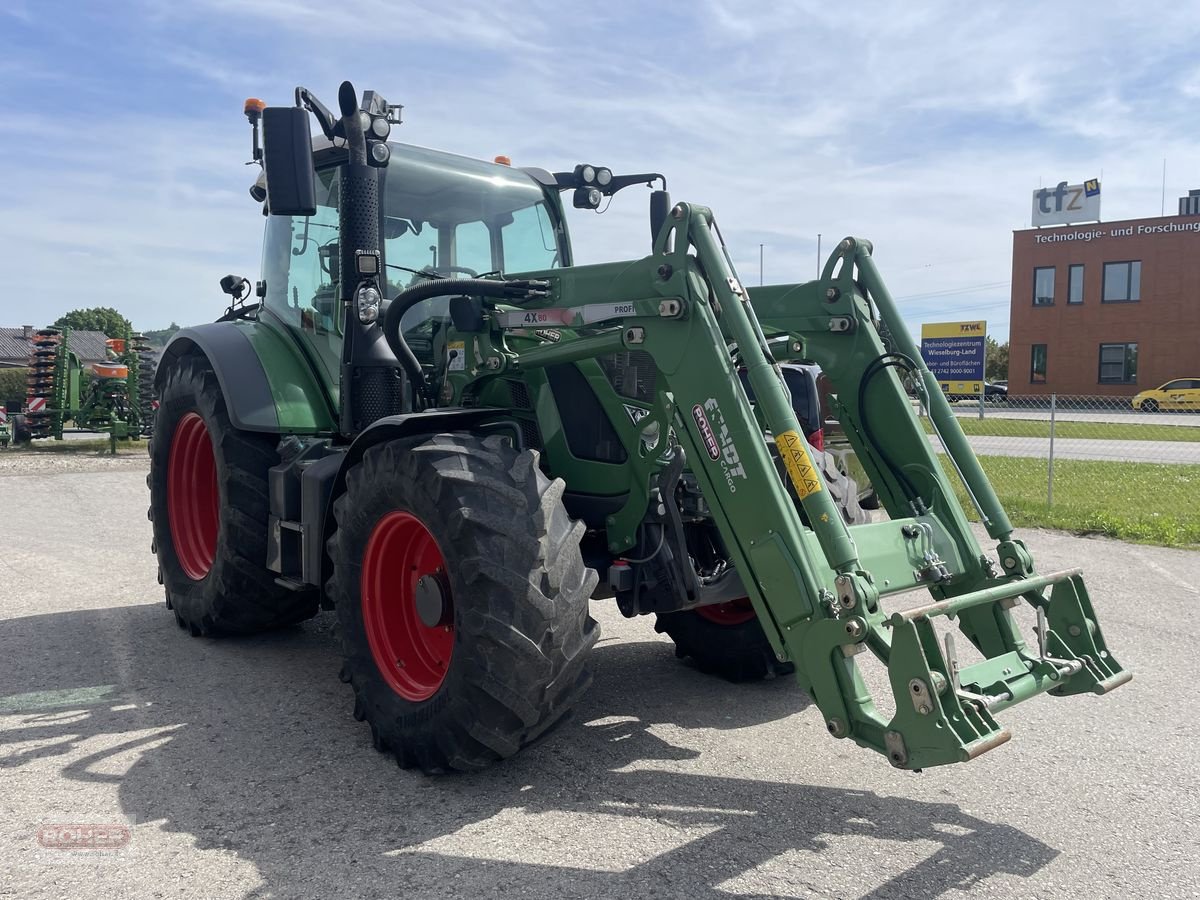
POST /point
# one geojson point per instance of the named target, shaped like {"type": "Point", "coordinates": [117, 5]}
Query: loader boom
{"type": "Point", "coordinates": [820, 590]}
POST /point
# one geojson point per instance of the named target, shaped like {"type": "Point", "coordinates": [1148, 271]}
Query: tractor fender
{"type": "Point", "coordinates": [387, 429]}
{"type": "Point", "coordinates": [268, 385]}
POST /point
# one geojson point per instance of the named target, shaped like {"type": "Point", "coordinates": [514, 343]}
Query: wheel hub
{"type": "Point", "coordinates": [735, 612]}
{"type": "Point", "coordinates": [407, 606]}
{"type": "Point", "coordinates": [193, 499]}
{"type": "Point", "coordinates": [432, 601]}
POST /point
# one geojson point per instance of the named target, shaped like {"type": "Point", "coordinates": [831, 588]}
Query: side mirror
{"type": "Point", "coordinates": [288, 162]}
{"type": "Point", "coordinates": [660, 209]}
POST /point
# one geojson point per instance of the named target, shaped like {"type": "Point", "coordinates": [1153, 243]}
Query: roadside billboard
{"type": "Point", "coordinates": [954, 352]}
{"type": "Point", "coordinates": [1067, 204]}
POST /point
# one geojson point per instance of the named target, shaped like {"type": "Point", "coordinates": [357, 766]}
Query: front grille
{"type": "Point", "coordinates": [589, 433]}
{"type": "Point", "coordinates": [530, 434]}
{"type": "Point", "coordinates": [632, 373]}
{"type": "Point", "coordinates": [518, 395]}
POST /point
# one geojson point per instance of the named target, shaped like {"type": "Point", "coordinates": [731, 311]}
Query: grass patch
{"type": "Point", "coordinates": [1143, 502]}
{"type": "Point", "coordinates": [1099, 431]}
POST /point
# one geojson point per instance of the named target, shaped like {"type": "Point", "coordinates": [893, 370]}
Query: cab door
{"type": "Point", "coordinates": [300, 268]}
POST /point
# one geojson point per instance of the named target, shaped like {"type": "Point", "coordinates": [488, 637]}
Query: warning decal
{"type": "Point", "coordinates": [798, 463]}
{"type": "Point", "coordinates": [456, 352]}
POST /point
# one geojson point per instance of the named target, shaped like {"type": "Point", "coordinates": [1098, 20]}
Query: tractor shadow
{"type": "Point", "coordinates": [248, 745]}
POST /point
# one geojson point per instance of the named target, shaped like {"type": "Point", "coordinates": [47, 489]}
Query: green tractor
{"type": "Point", "coordinates": [430, 420]}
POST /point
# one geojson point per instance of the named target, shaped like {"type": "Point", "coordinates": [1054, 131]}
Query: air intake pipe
{"type": "Point", "coordinates": [445, 287]}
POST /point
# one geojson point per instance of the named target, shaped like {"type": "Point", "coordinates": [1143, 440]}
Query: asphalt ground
{"type": "Point", "coordinates": [1181, 452]}
{"type": "Point", "coordinates": [969, 409]}
{"type": "Point", "coordinates": [238, 770]}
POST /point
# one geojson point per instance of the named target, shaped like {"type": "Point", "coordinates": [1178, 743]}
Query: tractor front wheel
{"type": "Point", "coordinates": [462, 598]}
{"type": "Point", "coordinates": [209, 508]}
{"type": "Point", "coordinates": [723, 639]}
{"type": "Point", "coordinates": [727, 639]}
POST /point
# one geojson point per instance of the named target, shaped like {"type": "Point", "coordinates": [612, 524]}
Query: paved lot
{"type": "Point", "coordinates": [241, 772]}
{"type": "Point", "coordinates": [970, 409]}
{"type": "Point", "coordinates": [1185, 452]}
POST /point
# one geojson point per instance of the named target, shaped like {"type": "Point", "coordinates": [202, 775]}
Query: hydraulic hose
{"type": "Point", "coordinates": [444, 287]}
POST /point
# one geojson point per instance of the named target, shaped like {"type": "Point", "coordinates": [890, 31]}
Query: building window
{"type": "Point", "coordinates": [1043, 286]}
{"type": "Point", "coordinates": [1122, 282]}
{"type": "Point", "coordinates": [1075, 284]}
{"type": "Point", "coordinates": [1118, 363]}
{"type": "Point", "coordinates": [1037, 364]}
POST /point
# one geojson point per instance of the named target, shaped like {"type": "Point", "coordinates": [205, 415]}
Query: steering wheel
{"type": "Point", "coordinates": [462, 269]}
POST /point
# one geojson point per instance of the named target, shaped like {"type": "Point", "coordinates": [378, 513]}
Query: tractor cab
{"type": "Point", "coordinates": [441, 216]}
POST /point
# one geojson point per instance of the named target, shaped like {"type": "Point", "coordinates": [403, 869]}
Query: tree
{"type": "Point", "coordinates": [997, 361]}
{"type": "Point", "coordinates": [158, 337]}
{"type": "Point", "coordinates": [12, 388]}
{"type": "Point", "coordinates": [96, 318]}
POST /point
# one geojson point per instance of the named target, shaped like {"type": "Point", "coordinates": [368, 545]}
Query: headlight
{"type": "Point", "coordinates": [380, 153]}
{"type": "Point", "coordinates": [380, 127]}
{"type": "Point", "coordinates": [367, 301]}
{"type": "Point", "coordinates": [588, 174]}
{"type": "Point", "coordinates": [603, 177]}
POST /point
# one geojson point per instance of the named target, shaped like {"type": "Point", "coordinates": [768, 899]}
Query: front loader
{"type": "Point", "coordinates": [435, 423]}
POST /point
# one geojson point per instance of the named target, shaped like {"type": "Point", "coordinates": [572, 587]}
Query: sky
{"type": "Point", "coordinates": [924, 127]}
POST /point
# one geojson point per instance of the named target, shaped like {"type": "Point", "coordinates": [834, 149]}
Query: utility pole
{"type": "Point", "coordinates": [760, 265]}
{"type": "Point", "coordinates": [1163, 210]}
{"type": "Point", "coordinates": [818, 254]}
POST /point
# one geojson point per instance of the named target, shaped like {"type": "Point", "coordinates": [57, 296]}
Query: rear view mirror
{"type": "Point", "coordinates": [288, 162]}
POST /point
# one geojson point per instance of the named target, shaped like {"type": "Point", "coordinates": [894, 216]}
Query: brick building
{"type": "Point", "coordinates": [1107, 308]}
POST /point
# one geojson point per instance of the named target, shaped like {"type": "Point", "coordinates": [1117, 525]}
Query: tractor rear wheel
{"type": "Point", "coordinates": [462, 597]}
{"type": "Point", "coordinates": [209, 509]}
{"type": "Point", "coordinates": [20, 430]}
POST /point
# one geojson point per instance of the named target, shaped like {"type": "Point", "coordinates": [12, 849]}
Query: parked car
{"type": "Point", "coordinates": [1181, 393]}
{"type": "Point", "coordinates": [993, 392]}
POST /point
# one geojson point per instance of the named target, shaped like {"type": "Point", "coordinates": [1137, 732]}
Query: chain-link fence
{"type": "Point", "coordinates": [1093, 464]}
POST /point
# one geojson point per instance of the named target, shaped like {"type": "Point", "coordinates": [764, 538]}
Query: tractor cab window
{"type": "Point", "coordinates": [449, 216]}
{"type": "Point", "coordinates": [300, 266]}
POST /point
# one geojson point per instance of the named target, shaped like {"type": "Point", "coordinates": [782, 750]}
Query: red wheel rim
{"type": "Point", "coordinates": [735, 612]}
{"type": "Point", "coordinates": [412, 656]}
{"type": "Point", "coordinates": [193, 499]}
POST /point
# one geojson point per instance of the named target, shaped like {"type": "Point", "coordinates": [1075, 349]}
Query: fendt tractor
{"type": "Point", "coordinates": [431, 421]}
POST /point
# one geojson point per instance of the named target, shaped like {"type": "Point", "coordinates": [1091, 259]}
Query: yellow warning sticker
{"type": "Point", "coordinates": [798, 463]}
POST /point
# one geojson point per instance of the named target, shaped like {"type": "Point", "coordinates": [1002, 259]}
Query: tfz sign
{"type": "Point", "coordinates": [1066, 204]}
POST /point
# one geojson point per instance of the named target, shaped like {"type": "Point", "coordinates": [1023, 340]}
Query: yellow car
{"type": "Point", "coordinates": [1182, 393]}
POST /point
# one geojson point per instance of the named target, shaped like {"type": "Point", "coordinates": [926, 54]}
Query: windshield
{"type": "Point", "coordinates": [444, 216]}
{"type": "Point", "coordinates": [449, 216]}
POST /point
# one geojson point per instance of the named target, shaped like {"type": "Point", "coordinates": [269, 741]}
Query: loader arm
{"type": "Point", "coordinates": [821, 590]}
